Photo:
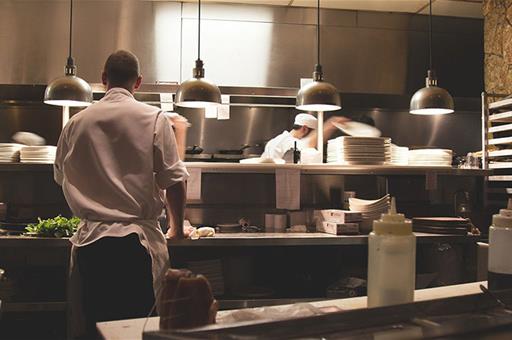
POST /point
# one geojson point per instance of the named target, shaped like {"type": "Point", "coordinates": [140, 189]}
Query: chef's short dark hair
{"type": "Point", "coordinates": [298, 127]}
{"type": "Point", "coordinates": [122, 69]}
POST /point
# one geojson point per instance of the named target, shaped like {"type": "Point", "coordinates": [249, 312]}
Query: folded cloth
{"type": "Point", "coordinates": [202, 232]}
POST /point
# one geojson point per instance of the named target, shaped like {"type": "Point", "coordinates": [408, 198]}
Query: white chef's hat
{"type": "Point", "coordinates": [306, 119]}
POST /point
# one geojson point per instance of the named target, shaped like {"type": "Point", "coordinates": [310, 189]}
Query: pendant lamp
{"type": "Point", "coordinates": [318, 95]}
{"type": "Point", "coordinates": [431, 100]}
{"type": "Point", "coordinates": [69, 90]}
{"type": "Point", "coordinates": [198, 92]}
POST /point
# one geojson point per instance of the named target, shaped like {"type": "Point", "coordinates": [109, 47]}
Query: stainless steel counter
{"type": "Point", "coordinates": [301, 239]}
{"type": "Point", "coordinates": [307, 169]}
{"type": "Point", "coordinates": [247, 240]}
{"type": "Point", "coordinates": [332, 169]}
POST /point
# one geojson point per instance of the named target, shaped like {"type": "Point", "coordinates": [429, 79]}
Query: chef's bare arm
{"type": "Point", "coordinates": [180, 126]}
{"type": "Point", "coordinates": [170, 174]}
{"type": "Point", "coordinates": [329, 130]}
{"type": "Point", "coordinates": [176, 197]}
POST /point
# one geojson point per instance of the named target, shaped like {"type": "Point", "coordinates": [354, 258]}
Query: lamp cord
{"type": "Point", "coordinates": [70, 26]}
{"type": "Point", "coordinates": [318, 32]}
{"type": "Point", "coordinates": [199, 31]}
{"type": "Point", "coordinates": [430, 35]}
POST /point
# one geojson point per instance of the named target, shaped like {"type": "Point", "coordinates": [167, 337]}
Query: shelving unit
{"type": "Point", "coordinates": [497, 148]}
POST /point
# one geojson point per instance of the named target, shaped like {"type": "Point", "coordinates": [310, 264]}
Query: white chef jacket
{"type": "Point", "coordinates": [114, 159]}
{"type": "Point", "coordinates": [277, 146]}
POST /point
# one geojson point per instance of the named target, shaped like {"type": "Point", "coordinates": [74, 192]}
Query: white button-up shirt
{"type": "Point", "coordinates": [114, 159]}
{"type": "Point", "coordinates": [277, 146]}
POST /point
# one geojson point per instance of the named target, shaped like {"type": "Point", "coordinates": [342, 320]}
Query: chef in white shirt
{"type": "Point", "coordinates": [114, 161]}
{"type": "Point", "coordinates": [303, 133]}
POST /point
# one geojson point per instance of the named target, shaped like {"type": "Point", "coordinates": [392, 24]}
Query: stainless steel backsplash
{"type": "Point", "coordinates": [243, 45]}
{"type": "Point", "coordinates": [362, 52]}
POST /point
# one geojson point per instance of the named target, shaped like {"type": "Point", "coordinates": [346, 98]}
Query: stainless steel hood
{"type": "Point", "coordinates": [243, 45]}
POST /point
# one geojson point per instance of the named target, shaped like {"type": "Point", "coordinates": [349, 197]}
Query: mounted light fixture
{"type": "Point", "coordinates": [431, 100]}
{"type": "Point", "coordinates": [69, 90]}
{"type": "Point", "coordinates": [198, 92]}
{"type": "Point", "coordinates": [318, 95]}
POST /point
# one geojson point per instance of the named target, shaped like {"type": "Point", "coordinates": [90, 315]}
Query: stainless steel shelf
{"type": "Point", "coordinates": [500, 153]}
{"type": "Point", "coordinates": [309, 169]}
{"type": "Point", "coordinates": [498, 141]}
{"type": "Point", "coordinates": [500, 128]}
{"type": "Point", "coordinates": [500, 165]}
{"type": "Point", "coordinates": [501, 104]}
{"type": "Point", "coordinates": [503, 117]}
{"type": "Point", "coordinates": [503, 178]}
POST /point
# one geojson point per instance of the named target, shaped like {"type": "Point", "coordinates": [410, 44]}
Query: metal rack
{"type": "Point", "coordinates": [497, 147]}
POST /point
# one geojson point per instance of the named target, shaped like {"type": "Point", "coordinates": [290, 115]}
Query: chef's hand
{"type": "Point", "coordinates": [173, 235]}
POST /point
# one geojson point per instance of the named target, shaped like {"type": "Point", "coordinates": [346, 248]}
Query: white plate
{"type": "Point", "coordinates": [369, 211]}
{"type": "Point", "coordinates": [360, 201]}
{"type": "Point", "coordinates": [39, 148]}
{"type": "Point", "coordinates": [37, 153]}
{"type": "Point", "coordinates": [36, 162]}
{"type": "Point", "coordinates": [358, 129]}
{"type": "Point", "coordinates": [361, 140]}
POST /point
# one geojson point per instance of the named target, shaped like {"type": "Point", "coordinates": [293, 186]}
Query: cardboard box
{"type": "Point", "coordinates": [338, 216]}
{"type": "Point", "coordinates": [338, 228]}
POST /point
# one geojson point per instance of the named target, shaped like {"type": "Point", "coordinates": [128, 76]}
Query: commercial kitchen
{"type": "Point", "coordinates": [392, 221]}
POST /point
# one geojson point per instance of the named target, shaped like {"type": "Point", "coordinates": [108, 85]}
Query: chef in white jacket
{"type": "Point", "coordinates": [114, 161]}
{"type": "Point", "coordinates": [303, 133]}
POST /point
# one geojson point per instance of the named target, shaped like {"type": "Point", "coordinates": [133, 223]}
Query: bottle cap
{"type": "Point", "coordinates": [504, 218]}
{"type": "Point", "coordinates": [392, 223]}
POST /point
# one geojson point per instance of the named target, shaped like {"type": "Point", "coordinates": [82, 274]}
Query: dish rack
{"type": "Point", "coordinates": [497, 148]}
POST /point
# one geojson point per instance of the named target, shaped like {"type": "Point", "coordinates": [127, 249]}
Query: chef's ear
{"type": "Point", "coordinates": [104, 78]}
{"type": "Point", "coordinates": [138, 82]}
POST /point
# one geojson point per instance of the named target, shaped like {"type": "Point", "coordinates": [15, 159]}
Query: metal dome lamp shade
{"type": "Point", "coordinates": [69, 90]}
{"type": "Point", "coordinates": [431, 100]}
{"type": "Point", "coordinates": [318, 95]}
{"type": "Point", "coordinates": [198, 92]}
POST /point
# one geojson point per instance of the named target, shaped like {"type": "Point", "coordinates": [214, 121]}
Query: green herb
{"type": "Point", "coordinates": [54, 227]}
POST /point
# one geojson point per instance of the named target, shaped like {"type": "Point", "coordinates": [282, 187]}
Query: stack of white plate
{"type": "Point", "coordinates": [370, 210]}
{"type": "Point", "coordinates": [212, 270]}
{"type": "Point", "coordinates": [38, 154]}
{"type": "Point", "coordinates": [430, 157]}
{"type": "Point", "coordinates": [359, 150]}
{"type": "Point", "coordinates": [399, 155]}
{"type": "Point", "coordinates": [9, 152]}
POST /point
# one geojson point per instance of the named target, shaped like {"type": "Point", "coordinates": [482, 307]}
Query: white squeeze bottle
{"type": "Point", "coordinates": [391, 260]}
{"type": "Point", "coordinates": [500, 250]}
